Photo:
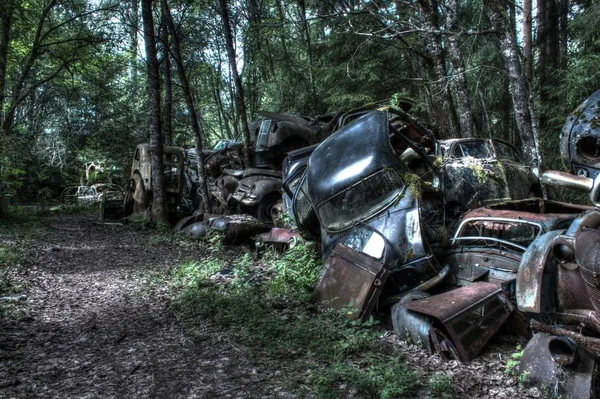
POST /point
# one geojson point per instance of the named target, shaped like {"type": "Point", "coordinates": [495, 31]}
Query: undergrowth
{"type": "Point", "coordinates": [18, 226]}
{"type": "Point", "coordinates": [264, 304]}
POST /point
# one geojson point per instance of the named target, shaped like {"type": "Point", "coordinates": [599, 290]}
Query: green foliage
{"type": "Point", "coordinates": [376, 377]}
{"type": "Point", "coordinates": [513, 363]}
{"type": "Point", "coordinates": [273, 317]}
{"type": "Point", "coordinates": [296, 271]}
{"type": "Point", "coordinates": [440, 386]}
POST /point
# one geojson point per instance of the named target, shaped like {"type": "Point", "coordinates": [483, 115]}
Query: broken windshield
{"type": "Point", "coordinates": [360, 201]}
{"type": "Point", "coordinates": [518, 233]}
{"type": "Point", "coordinates": [475, 149]}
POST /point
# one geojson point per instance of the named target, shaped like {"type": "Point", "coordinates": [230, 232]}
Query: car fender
{"type": "Point", "coordinates": [261, 188]}
{"type": "Point", "coordinates": [529, 291]}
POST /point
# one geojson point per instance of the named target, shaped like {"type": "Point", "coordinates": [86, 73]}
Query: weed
{"type": "Point", "coordinates": [513, 363]}
{"type": "Point", "coordinates": [551, 392]}
{"type": "Point", "coordinates": [377, 377]}
{"type": "Point", "coordinates": [440, 386]}
{"type": "Point", "coordinates": [522, 378]}
{"type": "Point", "coordinates": [296, 272]}
{"type": "Point", "coordinates": [273, 319]}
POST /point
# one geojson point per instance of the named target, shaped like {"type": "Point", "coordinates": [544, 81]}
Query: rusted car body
{"type": "Point", "coordinates": [489, 242]}
{"type": "Point", "coordinates": [580, 151]}
{"type": "Point", "coordinates": [372, 221]}
{"type": "Point", "coordinates": [487, 248]}
{"type": "Point", "coordinates": [558, 283]}
{"type": "Point", "coordinates": [477, 172]}
{"type": "Point", "coordinates": [566, 369]}
{"type": "Point", "coordinates": [139, 191]}
{"type": "Point", "coordinates": [258, 192]}
{"type": "Point", "coordinates": [579, 138]}
{"type": "Point", "coordinates": [260, 187]}
{"type": "Point", "coordinates": [275, 138]}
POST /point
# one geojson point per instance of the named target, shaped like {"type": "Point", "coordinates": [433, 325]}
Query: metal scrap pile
{"type": "Point", "coordinates": [396, 212]}
{"type": "Point", "coordinates": [450, 238]}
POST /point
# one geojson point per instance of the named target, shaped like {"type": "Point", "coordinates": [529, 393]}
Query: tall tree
{"type": "Point", "coordinates": [436, 60]}
{"type": "Point", "coordinates": [498, 15]}
{"type": "Point", "coordinates": [189, 99]}
{"type": "Point", "coordinates": [6, 16]}
{"type": "Point", "coordinates": [459, 76]}
{"type": "Point", "coordinates": [239, 89]}
{"type": "Point", "coordinates": [527, 38]}
{"type": "Point", "coordinates": [159, 204]}
{"type": "Point", "coordinates": [168, 85]}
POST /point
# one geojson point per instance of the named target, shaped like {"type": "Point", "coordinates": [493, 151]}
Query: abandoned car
{"type": "Point", "coordinates": [260, 187]}
{"type": "Point", "coordinates": [485, 259]}
{"type": "Point", "coordinates": [477, 172]}
{"type": "Point", "coordinates": [138, 194]}
{"type": "Point", "coordinates": [579, 138]}
{"type": "Point", "coordinates": [376, 216]}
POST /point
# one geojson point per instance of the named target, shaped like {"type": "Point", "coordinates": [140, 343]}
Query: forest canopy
{"type": "Point", "coordinates": [73, 73]}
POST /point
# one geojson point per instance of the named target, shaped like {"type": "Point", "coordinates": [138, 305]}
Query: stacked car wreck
{"type": "Point", "coordinates": [449, 239]}
{"type": "Point", "coordinates": [381, 194]}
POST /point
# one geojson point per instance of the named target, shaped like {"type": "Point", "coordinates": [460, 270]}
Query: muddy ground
{"type": "Point", "coordinates": [95, 322]}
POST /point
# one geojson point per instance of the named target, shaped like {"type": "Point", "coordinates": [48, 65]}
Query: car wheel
{"type": "Point", "coordinates": [264, 208]}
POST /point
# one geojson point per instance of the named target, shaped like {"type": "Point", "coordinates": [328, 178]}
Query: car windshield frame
{"type": "Point", "coordinates": [459, 240]}
{"type": "Point", "coordinates": [460, 145]}
{"type": "Point", "coordinates": [389, 194]}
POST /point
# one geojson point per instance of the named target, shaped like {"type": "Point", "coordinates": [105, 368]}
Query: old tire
{"type": "Point", "coordinates": [265, 206]}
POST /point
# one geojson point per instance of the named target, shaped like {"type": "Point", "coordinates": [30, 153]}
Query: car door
{"type": "Point", "coordinates": [520, 179]}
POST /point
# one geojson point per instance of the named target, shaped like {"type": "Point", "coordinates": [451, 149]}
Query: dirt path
{"type": "Point", "coordinates": [98, 322]}
{"type": "Point", "coordinates": [98, 326]}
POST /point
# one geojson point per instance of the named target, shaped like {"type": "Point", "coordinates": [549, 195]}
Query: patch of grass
{"type": "Point", "coordinates": [440, 386]}
{"type": "Point", "coordinates": [376, 377]}
{"type": "Point", "coordinates": [20, 221]}
{"type": "Point", "coordinates": [274, 318]}
{"type": "Point", "coordinates": [9, 255]}
{"type": "Point", "coordinates": [296, 272]}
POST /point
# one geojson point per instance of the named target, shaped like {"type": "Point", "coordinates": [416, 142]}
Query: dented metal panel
{"type": "Point", "coordinates": [351, 279]}
{"type": "Point", "coordinates": [471, 315]}
{"type": "Point", "coordinates": [530, 277]}
{"type": "Point", "coordinates": [278, 235]}
{"type": "Point", "coordinates": [559, 364]}
{"type": "Point", "coordinates": [579, 138]}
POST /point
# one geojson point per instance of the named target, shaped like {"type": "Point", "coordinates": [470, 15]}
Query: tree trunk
{"type": "Point", "coordinates": [306, 36]}
{"type": "Point", "coordinates": [189, 99]}
{"type": "Point", "coordinates": [443, 107]}
{"type": "Point", "coordinates": [496, 12]}
{"type": "Point", "coordinates": [239, 90]}
{"type": "Point", "coordinates": [6, 11]}
{"type": "Point", "coordinates": [168, 86]}
{"type": "Point", "coordinates": [527, 51]}
{"type": "Point", "coordinates": [563, 19]}
{"type": "Point", "coordinates": [159, 204]}
{"type": "Point", "coordinates": [459, 76]}
{"type": "Point", "coordinates": [133, 60]}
